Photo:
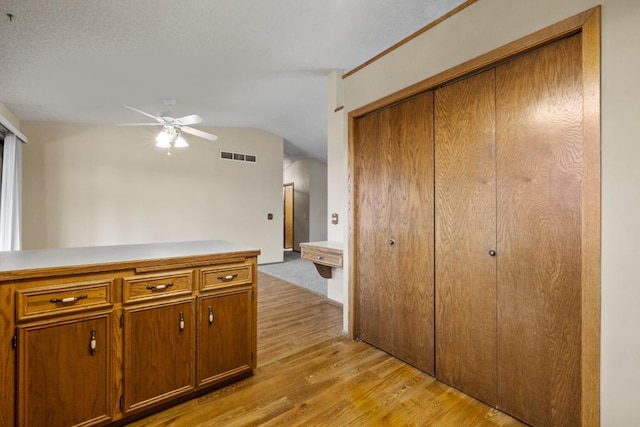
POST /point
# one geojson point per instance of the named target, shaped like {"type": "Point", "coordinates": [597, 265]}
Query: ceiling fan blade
{"type": "Point", "coordinates": [158, 119]}
{"type": "Point", "coordinates": [139, 124]}
{"type": "Point", "coordinates": [193, 119]}
{"type": "Point", "coordinates": [199, 133]}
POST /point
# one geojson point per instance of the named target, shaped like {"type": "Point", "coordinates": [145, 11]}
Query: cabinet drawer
{"type": "Point", "coordinates": [320, 256]}
{"type": "Point", "coordinates": [156, 286]}
{"type": "Point", "coordinates": [63, 299]}
{"type": "Point", "coordinates": [222, 276]}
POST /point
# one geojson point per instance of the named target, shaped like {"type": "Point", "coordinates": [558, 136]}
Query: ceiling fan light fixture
{"type": "Point", "coordinates": [164, 138]}
{"type": "Point", "coordinates": [180, 142]}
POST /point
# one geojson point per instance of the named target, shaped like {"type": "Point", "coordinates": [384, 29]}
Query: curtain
{"type": "Point", "coordinates": [11, 195]}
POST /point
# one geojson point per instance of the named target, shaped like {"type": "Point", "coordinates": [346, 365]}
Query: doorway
{"type": "Point", "coordinates": [287, 194]}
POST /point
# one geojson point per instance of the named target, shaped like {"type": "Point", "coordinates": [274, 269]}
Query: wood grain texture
{"type": "Point", "coordinates": [591, 219]}
{"type": "Point", "coordinates": [288, 216]}
{"type": "Point", "coordinates": [159, 360]}
{"type": "Point", "coordinates": [412, 229]}
{"type": "Point", "coordinates": [465, 219]}
{"type": "Point", "coordinates": [62, 382]}
{"type": "Point", "coordinates": [7, 355]}
{"type": "Point", "coordinates": [539, 185]}
{"type": "Point", "coordinates": [373, 165]}
{"type": "Point", "coordinates": [394, 170]}
{"type": "Point", "coordinates": [311, 375]}
{"type": "Point", "coordinates": [223, 346]}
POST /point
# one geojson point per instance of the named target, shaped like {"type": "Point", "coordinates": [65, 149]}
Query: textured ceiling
{"type": "Point", "coordinates": [247, 63]}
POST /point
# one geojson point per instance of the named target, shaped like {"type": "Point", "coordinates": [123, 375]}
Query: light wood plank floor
{"type": "Point", "coordinates": [309, 374]}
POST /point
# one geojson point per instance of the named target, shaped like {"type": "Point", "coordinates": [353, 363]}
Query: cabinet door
{"type": "Point", "coordinates": [63, 379]}
{"type": "Point", "coordinates": [465, 235]}
{"type": "Point", "coordinates": [159, 347]}
{"type": "Point", "coordinates": [393, 158]}
{"type": "Point", "coordinates": [224, 336]}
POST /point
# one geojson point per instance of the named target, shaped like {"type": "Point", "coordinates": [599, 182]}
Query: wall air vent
{"type": "Point", "coordinates": [238, 157]}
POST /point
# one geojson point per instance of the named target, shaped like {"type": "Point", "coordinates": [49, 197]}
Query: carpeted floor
{"type": "Point", "coordinates": [297, 271]}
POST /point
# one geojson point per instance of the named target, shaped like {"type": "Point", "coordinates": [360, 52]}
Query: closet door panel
{"type": "Point", "coordinates": [465, 220]}
{"type": "Point", "coordinates": [411, 228]}
{"type": "Point", "coordinates": [539, 181]}
{"type": "Point", "coordinates": [373, 163]}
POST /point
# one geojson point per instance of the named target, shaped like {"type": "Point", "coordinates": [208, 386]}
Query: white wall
{"type": "Point", "coordinates": [309, 177]}
{"type": "Point", "coordinates": [488, 24]}
{"type": "Point", "coordinates": [317, 201]}
{"type": "Point", "coordinates": [337, 176]}
{"type": "Point", "coordinates": [88, 185]}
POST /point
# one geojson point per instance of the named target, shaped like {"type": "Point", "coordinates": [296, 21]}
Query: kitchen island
{"type": "Point", "coordinates": [103, 335]}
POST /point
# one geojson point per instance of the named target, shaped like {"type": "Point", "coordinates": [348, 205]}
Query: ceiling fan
{"type": "Point", "coordinates": [172, 127]}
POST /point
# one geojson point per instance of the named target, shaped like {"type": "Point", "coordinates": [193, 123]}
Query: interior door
{"type": "Point", "coordinates": [287, 191]}
{"type": "Point", "coordinates": [394, 254]}
{"type": "Point", "coordinates": [412, 231]}
{"type": "Point", "coordinates": [539, 186]}
{"type": "Point", "coordinates": [374, 265]}
{"type": "Point", "coordinates": [465, 219]}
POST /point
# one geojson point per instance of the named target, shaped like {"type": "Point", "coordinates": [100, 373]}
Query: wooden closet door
{"type": "Point", "coordinates": [465, 220]}
{"type": "Point", "coordinates": [539, 184]}
{"type": "Point", "coordinates": [412, 231]}
{"type": "Point", "coordinates": [374, 266]}
{"type": "Point", "coordinates": [393, 156]}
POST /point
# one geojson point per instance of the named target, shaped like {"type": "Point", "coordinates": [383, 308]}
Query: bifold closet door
{"type": "Point", "coordinates": [539, 138]}
{"type": "Point", "coordinates": [465, 220]}
{"type": "Point", "coordinates": [393, 155]}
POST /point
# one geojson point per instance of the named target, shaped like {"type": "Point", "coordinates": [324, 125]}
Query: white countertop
{"type": "Point", "coordinates": [67, 257]}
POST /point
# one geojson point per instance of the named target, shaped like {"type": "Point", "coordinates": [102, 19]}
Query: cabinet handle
{"type": "Point", "coordinates": [92, 342]}
{"type": "Point", "coordinates": [392, 242]}
{"type": "Point", "coordinates": [318, 257]}
{"type": "Point", "coordinates": [492, 252]}
{"type": "Point", "coordinates": [181, 322]}
{"type": "Point", "coordinates": [159, 287]}
{"type": "Point", "coordinates": [228, 278]}
{"type": "Point", "coordinates": [68, 299]}
{"type": "Point", "coordinates": [210, 315]}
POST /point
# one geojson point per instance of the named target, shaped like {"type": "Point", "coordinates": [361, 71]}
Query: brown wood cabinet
{"type": "Point", "coordinates": [64, 370]}
{"type": "Point", "coordinates": [159, 348]}
{"type": "Point", "coordinates": [97, 343]}
{"type": "Point", "coordinates": [224, 331]}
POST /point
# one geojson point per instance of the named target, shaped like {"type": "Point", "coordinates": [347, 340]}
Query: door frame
{"type": "Point", "coordinates": [587, 23]}
{"type": "Point", "coordinates": [287, 202]}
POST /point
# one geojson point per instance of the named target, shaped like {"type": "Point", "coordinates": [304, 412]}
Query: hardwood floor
{"type": "Point", "coordinates": [310, 374]}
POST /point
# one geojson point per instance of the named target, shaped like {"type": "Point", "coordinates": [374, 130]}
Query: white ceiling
{"type": "Point", "coordinates": [246, 63]}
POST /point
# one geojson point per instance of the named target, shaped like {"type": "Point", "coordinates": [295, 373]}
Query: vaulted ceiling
{"type": "Point", "coordinates": [244, 63]}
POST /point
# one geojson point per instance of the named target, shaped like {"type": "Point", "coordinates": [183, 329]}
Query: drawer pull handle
{"type": "Point", "coordinates": [93, 342]}
{"type": "Point", "coordinates": [210, 315]}
{"type": "Point", "coordinates": [181, 322]}
{"type": "Point", "coordinates": [159, 287]}
{"type": "Point", "coordinates": [228, 278]}
{"type": "Point", "coordinates": [68, 299]}
{"type": "Point", "coordinates": [319, 257]}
